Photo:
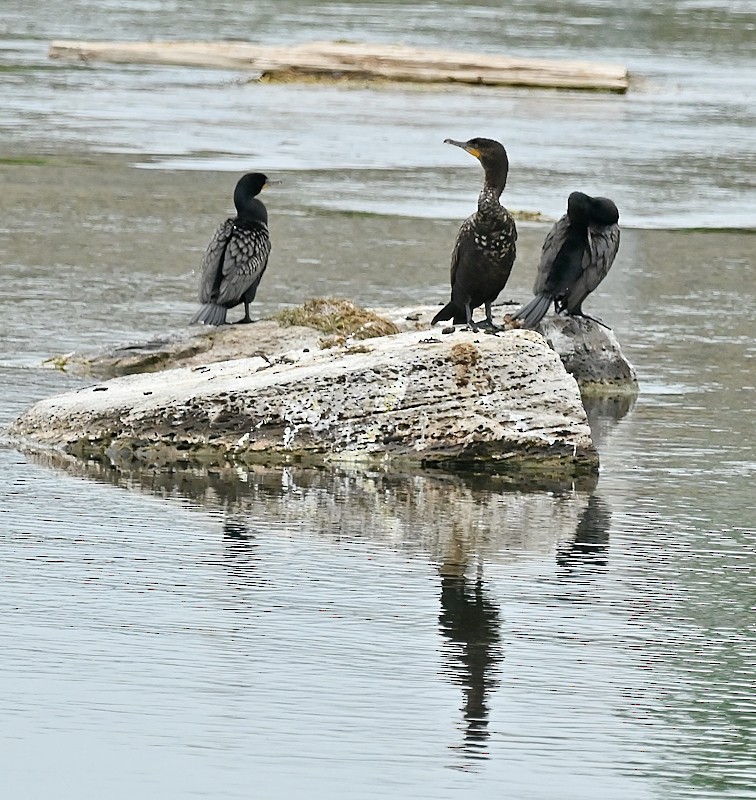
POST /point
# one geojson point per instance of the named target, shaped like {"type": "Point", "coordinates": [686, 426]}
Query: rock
{"type": "Point", "coordinates": [318, 323]}
{"type": "Point", "coordinates": [496, 402]}
{"type": "Point", "coordinates": [590, 352]}
{"type": "Point", "coordinates": [344, 387]}
{"type": "Point", "coordinates": [189, 347]}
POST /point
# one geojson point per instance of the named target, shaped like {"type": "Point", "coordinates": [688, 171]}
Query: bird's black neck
{"type": "Point", "coordinates": [488, 199]}
{"type": "Point", "coordinates": [493, 184]}
{"type": "Point", "coordinates": [252, 212]}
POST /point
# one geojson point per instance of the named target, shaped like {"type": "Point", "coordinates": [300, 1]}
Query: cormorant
{"type": "Point", "coordinates": [237, 256]}
{"type": "Point", "coordinates": [484, 251]}
{"type": "Point", "coordinates": [576, 256]}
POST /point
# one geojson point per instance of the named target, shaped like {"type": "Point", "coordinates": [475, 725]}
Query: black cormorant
{"type": "Point", "coordinates": [484, 252]}
{"type": "Point", "coordinates": [237, 256]}
{"type": "Point", "coordinates": [576, 256]}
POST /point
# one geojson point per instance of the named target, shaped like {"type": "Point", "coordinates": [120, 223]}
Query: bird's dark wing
{"type": "Point", "coordinates": [462, 243]}
{"type": "Point", "coordinates": [210, 269]}
{"type": "Point", "coordinates": [552, 244]}
{"type": "Point", "coordinates": [244, 262]}
{"type": "Point", "coordinates": [603, 244]}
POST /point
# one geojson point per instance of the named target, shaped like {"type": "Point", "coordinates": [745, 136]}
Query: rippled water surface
{"type": "Point", "coordinates": [313, 633]}
{"type": "Point", "coordinates": [676, 150]}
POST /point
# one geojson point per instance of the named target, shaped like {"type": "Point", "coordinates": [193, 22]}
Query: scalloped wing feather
{"type": "Point", "coordinates": [211, 261]}
{"type": "Point", "coordinates": [552, 244]}
{"type": "Point", "coordinates": [244, 263]}
{"type": "Point", "coordinates": [234, 262]}
{"type": "Point", "coordinates": [597, 261]}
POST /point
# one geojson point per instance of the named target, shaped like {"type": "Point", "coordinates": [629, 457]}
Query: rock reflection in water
{"type": "Point", "coordinates": [604, 411]}
{"type": "Point", "coordinates": [491, 517]}
{"type": "Point", "coordinates": [459, 523]}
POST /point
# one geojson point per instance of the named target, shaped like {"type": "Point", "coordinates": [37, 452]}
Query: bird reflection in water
{"type": "Point", "coordinates": [587, 553]}
{"type": "Point", "coordinates": [240, 556]}
{"type": "Point", "coordinates": [469, 621]}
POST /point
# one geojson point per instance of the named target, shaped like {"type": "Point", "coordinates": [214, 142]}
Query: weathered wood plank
{"type": "Point", "coordinates": [385, 61]}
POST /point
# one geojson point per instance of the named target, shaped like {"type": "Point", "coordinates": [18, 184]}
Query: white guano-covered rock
{"type": "Point", "coordinates": [470, 399]}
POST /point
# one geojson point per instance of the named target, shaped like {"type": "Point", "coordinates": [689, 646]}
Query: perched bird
{"type": "Point", "coordinates": [576, 256]}
{"type": "Point", "coordinates": [237, 256]}
{"type": "Point", "coordinates": [484, 251]}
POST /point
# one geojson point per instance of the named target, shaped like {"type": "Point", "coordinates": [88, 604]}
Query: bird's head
{"type": "Point", "coordinates": [491, 154]}
{"type": "Point", "coordinates": [587, 210]}
{"type": "Point", "coordinates": [248, 187]}
{"type": "Point", "coordinates": [251, 184]}
{"type": "Point", "coordinates": [604, 211]}
{"type": "Point", "coordinates": [578, 208]}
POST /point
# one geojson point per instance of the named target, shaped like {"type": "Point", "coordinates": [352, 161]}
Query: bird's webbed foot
{"type": "Point", "coordinates": [471, 324]}
{"type": "Point", "coordinates": [488, 324]}
{"type": "Point", "coordinates": [592, 319]}
{"type": "Point", "coordinates": [246, 319]}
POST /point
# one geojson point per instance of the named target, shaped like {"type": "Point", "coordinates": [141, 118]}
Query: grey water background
{"type": "Point", "coordinates": [677, 150]}
{"type": "Point", "coordinates": [292, 633]}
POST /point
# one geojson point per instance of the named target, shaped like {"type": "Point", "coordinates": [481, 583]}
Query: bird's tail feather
{"type": "Point", "coordinates": [447, 312]}
{"type": "Point", "coordinates": [534, 311]}
{"type": "Point", "coordinates": [209, 314]}
{"type": "Point", "coordinates": [450, 311]}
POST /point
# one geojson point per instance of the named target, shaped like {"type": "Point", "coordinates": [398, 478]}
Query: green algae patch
{"type": "Point", "coordinates": [24, 161]}
{"type": "Point", "coordinates": [59, 362]}
{"type": "Point", "coordinates": [337, 317]}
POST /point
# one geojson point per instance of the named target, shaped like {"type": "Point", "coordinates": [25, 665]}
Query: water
{"type": "Point", "coordinates": [341, 634]}
{"type": "Point", "coordinates": [676, 150]}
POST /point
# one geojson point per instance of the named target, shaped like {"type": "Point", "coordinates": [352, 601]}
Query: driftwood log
{"type": "Point", "coordinates": [360, 60]}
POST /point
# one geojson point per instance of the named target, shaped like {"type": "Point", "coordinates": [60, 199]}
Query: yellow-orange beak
{"type": "Point", "coordinates": [473, 151]}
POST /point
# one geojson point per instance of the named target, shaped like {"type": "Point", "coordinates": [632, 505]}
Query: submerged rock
{"type": "Point", "coordinates": [473, 400]}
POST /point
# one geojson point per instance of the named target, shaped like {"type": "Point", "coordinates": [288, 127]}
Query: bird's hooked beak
{"type": "Point", "coordinates": [473, 151]}
{"type": "Point", "coordinates": [269, 182]}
